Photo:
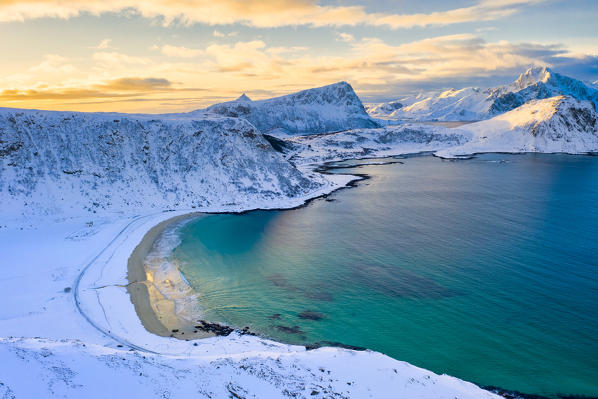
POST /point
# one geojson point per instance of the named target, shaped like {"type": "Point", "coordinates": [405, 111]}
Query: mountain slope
{"type": "Point", "coordinates": [52, 162]}
{"type": "Point", "coordinates": [320, 110]}
{"type": "Point", "coordinates": [476, 104]}
{"type": "Point", "coordinates": [368, 143]}
{"type": "Point", "coordinates": [536, 84]}
{"type": "Point", "coordinates": [557, 124]}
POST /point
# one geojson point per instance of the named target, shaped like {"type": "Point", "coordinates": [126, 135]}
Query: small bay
{"type": "Point", "coordinates": [485, 269]}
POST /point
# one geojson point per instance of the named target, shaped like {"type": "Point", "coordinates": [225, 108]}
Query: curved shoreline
{"type": "Point", "coordinates": [146, 295]}
{"type": "Point", "coordinates": [104, 310]}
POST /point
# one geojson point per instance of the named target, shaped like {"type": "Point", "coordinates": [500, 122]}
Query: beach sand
{"type": "Point", "coordinates": [156, 312]}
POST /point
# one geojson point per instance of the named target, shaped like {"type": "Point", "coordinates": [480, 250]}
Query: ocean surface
{"type": "Point", "coordinates": [485, 269]}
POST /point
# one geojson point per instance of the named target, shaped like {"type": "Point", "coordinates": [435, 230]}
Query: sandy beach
{"type": "Point", "coordinates": [155, 310]}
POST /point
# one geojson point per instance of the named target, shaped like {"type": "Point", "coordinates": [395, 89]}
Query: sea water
{"type": "Point", "coordinates": [485, 269]}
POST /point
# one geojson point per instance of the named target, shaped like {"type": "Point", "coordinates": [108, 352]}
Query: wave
{"type": "Point", "coordinates": [162, 271]}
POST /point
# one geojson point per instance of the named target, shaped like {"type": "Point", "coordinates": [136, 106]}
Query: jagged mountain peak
{"type": "Point", "coordinates": [475, 104]}
{"type": "Point", "coordinates": [243, 97]}
{"type": "Point", "coordinates": [319, 110]}
{"type": "Point", "coordinates": [533, 75]}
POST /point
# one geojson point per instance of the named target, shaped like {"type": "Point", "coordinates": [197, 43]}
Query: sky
{"type": "Point", "coordinates": [178, 55]}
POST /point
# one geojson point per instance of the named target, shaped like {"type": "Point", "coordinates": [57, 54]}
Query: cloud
{"type": "Point", "coordinates": [53, 63]}
{"type": "Point", "coordinates": [126, 87]}
{"type": "Point", "coordinates": [137, 84]}
{"type": "Point", "coordinates": [345, 37]}
{"type": "Point", "coordinates": [59, 94]}
{"type": "Point", "coordinates": [217, 33]}
{"type": "Point", "coordinates": [104, 44]}
{"type": "Point", "coordinates": [377, 69]}
{"type": "Point", "coordinates": [116, 59]}
{"type": "Point", "coordinates": [263, 14]}
{"type": "Point", "coordinates": [182, 52]}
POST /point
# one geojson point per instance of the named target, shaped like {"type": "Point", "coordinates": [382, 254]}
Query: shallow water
{"type": "Point", "coordinates": [485, 269]}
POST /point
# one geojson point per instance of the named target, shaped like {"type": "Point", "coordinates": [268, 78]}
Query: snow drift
{"type": "Point", "coordinates": [324, 109]}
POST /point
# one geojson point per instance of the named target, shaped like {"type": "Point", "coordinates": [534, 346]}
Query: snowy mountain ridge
{"type": "Point", "coordinates": [556, 124]}
{"type": "Point", "coordinates": [55, 162]}
{"type": "Point", "coordinates": [320, 110]}
{"type": "Point", "coordinates": [472, 103]}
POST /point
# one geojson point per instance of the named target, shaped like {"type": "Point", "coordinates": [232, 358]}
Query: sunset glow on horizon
{"type": "Point", "coordinates": [165, 56]}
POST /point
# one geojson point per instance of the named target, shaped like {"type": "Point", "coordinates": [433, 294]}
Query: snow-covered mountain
{"type": "Point", "coordinates": [556, 124]}
{"type": "Point", "coordinates": [470, 104]}
{"type": "Point", "coordinates": [52, 162]}
{"type": "Point", "coordinates": [324, 109]}
{"type": "Point", "coordinates": [368, 143]}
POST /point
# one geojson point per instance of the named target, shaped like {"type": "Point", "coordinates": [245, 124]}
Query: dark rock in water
{"type": "Point", "coordinates": [320, 344]}
{"type": "Point", "coordinates": [511, 394]}
{"type": "Point", "coordinates": [245, 331]}
{"type": "Point", "coordinates": [275, 316]}
{"type": "Point", "coordinates": [505, 393]}
{"type": "Point", "coordinates": [214, 328]}
{"type": "Point", "coordinates": [311, 315]}
{"type": "Point", "coordinates": [290, 330]}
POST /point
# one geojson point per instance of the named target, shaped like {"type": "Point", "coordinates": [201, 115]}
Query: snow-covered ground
{"type": "Point", "coordinates": [69, 329]}
{"type": "Point", "coordinates": [369, 143]}
{"type": "Point", "coordinates": [86, 163]}
{"type": "Point", "coordinates": [557, 124]}
{"type": "Point", "coordinates": [78, 192]}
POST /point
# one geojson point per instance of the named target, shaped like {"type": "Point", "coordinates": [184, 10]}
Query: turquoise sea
{"type": "Point", "coordinates": [485, 269]}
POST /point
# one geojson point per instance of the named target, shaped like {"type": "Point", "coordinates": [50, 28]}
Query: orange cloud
{"type": "Point", "coordinates": [137, 84]}
{"type": "Point", "coordinates": [264, 13]}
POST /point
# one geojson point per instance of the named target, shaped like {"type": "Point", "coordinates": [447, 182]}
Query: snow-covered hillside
{"type": "Point", "coordinates": [321, 110]}
{"type": "Point", "coordinates": [103, 181]}
{"type": "Point", "coordinates": [470, 104]}
{"type": "Point", "coordinates": [368, 143]}
{"type": "Point", "coordinates": [557, 124]}
{"type": "Point", "coordinates": [65, 162]}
